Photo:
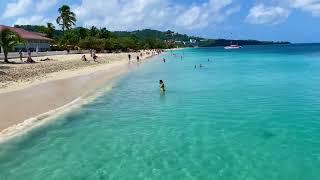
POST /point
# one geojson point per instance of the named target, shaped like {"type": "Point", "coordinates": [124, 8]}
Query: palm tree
{"type": "Point", "coordinates": [67, 18]}
{"type": "Point", "coordinates": [8, 40]}
{"type": "Point", "coordinates": [93, 31]}
{"type": "Point", "coordinates": [49, 30]}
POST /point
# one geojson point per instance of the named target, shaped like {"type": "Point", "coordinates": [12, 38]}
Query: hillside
{"type": "Point", "coordinates": [154, 38]}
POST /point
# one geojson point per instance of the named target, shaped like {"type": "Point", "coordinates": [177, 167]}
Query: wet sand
{"type": "Point", "coordinates": [23, 104]}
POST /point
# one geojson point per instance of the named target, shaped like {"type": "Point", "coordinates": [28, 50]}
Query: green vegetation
{"type": "Point", "coordinates": [67, 18]}
{"type": "Point", "coordinates": [8, 40]}
{"type": "Point", "coordinates": [49, 30]}
{"type": "Point", "coordinates": [102, 39]}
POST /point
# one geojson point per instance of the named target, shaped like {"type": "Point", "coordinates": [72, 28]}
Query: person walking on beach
{"type": "Point", "coordinates": [129, 57]}
{"type": "Point", "coordinates": [162, 87]}
{"type": "Point", "coordinates": [20, 55]}
{"type": "Point", "coordinates": [29, 53]}
{"type": "Point", "coordinates": [94, 56]}
{"type": "Point", "coordinates": [83, 58]}
{"type": "Point", "coordinates": [138, 59]}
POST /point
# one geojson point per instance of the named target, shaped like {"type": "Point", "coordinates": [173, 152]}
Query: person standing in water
{"type": "Point", "coordinates": [164, 60]}
{"type": "Point", "coordinates": [138, 59]}
{"type": "Point", "coordinates": [162, 87]}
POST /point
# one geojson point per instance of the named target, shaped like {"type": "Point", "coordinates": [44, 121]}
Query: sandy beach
{"type": "Point", "coordinates": [35, 90]}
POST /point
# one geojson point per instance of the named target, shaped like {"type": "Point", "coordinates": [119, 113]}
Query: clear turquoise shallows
{"type": "Point", "coordinates": [248, 114]}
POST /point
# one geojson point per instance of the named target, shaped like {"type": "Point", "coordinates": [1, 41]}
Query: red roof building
{"type": "Point", "coordinates": [34, 41]}
{"type": "Point", "coordinates": [26, 35]}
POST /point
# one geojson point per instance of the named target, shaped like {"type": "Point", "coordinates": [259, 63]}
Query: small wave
{"type": "Point", "coordinates": [36, 122]}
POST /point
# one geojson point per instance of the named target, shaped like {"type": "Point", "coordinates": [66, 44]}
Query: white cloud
{"type": "Point", "coordinates": [312, 6]}
{"type": "Point", "coordinates": [261, 14]}
{"type": "Point", "coordinates": [197, 17]}
{"type": "Point", "coordinates": [233, 10]}
{"type": "Point", "coordinates": [16, 8]}
{"type": "Point", "coordinates": [159, 14]}
{"type": "Point", "coordinates": [43, 5]}
{"type": "Point", "coordinates": [279, 11]}
{"type": "Point", "coordinates": [191, 18]}
{"type": "Point", "coordinates": [38, 20]}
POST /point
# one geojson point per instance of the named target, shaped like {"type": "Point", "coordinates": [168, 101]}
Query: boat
{"type": "Point", "coordinates": [232, 46]}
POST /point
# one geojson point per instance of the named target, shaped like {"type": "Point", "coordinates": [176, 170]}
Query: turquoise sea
{"type": "Point", "coordinates": [248, 114]}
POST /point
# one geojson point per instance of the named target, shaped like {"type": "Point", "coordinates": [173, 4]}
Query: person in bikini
{"type": "Point", "coordinates": [162, 87]}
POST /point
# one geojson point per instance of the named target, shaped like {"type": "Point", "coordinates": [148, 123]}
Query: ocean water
{"type": "Point", "coordinates": [248, 114]}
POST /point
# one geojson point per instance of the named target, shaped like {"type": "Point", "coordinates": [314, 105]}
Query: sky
{"type": "Point", "coordinates": [279, 20]}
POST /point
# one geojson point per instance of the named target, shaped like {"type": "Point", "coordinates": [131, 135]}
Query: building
{"type": "Point", "coordinates": [193, 41]}
{"type": "Point", "coordinates": [33, 41]}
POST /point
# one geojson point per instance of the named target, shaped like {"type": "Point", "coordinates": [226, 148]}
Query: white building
{"type": "Point", "coordinates": [33, 41]}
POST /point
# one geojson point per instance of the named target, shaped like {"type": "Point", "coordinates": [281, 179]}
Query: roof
{"type": "Point", "coordinates": [27, 35]}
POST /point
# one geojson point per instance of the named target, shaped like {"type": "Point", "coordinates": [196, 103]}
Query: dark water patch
{"type": "Point", "coordinates": [265, 134]}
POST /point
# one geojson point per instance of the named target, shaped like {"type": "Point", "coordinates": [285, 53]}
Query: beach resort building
{"type": "Point", "coordinates": [33, 41]}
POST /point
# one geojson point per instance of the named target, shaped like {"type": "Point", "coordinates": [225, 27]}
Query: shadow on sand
{"type": "Point", "coordinates": [3, 68]}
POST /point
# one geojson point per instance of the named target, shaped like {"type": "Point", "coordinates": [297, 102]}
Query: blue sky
{"type": "Point", "coordinates": [288, 20]}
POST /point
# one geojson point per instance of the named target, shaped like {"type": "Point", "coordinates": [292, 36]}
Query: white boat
{"type": "Point", "coordinates": [233, 47]}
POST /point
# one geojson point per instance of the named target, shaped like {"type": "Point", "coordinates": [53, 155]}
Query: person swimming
{"type": "Point", "coordinates": [200, 66]}
{"type": "Point", "coordinates": [162, 87]}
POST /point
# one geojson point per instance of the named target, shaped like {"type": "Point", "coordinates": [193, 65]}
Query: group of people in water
{"type": "Point", "coordinates": [200, 66]}
{"type": "Point", "coordinates": [153, 52]}
{"type": "Point", "coordinates": [162, 86]}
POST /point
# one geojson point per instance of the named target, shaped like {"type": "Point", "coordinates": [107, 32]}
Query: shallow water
{"type": "Point", "coordinates": [249, 114]}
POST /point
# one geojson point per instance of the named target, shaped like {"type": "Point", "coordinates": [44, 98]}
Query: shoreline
{"type": "Point", "coordinates": [34, 103]}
